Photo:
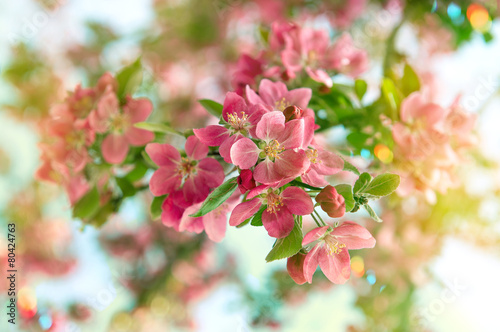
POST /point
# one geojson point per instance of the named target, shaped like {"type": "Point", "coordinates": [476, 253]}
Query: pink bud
{"type": "Point", "coordinates": [331, 202]}
{"type": "Point", "coordinates": [295, 268]}
{"type": "Point", "coordinates": [246, 181]}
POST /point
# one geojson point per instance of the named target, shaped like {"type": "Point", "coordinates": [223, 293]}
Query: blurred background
{"type": "Point", "coordinates": [435, 266]}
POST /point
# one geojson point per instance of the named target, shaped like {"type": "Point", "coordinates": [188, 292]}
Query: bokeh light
{"type": "Point", "coordinates": [358, 266]}
{"type": "Point", "coordinates": [27, 302]}
{"type": "Point", "coordinates": [479, 17]}
{"type": "Point", "coordinates": [383, 153]}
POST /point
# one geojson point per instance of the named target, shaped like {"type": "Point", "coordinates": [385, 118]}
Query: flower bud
{"type": "Point", "coordinates": [331, 202]}
{"type": "Point", "coordinates": [245, 181]}
{"type": "Point", "coordinates": [292, 113]}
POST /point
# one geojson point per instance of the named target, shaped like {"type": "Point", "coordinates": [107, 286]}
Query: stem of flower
{"type": "Point", "coordinates": [324, 224]}
{"type": "Point", "coordinates": [315, 220]}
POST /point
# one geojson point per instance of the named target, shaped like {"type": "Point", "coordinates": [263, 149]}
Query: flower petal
{"type": "Point", "coordinates": [215, 224]}
{"type": "Point", "coordinates": [265, 173]}
{"type": "Point", "coordinates": [293, 135]}
{"type": "Point", "coordinates": [164, 181]}
{"type": "Point", "coordinates": [244, 153]}
{"type": "Point", "coordinates": [138, 137]}
{"type": "Point", "coordinates": [278, 224]}
{"type": "Point", "coordinates": [211, 172]}
{"type": "Point", "coordinates": [271, 126]}
{"type": "Point", "coordinates": [138, 109]}
{"type": "Point", "coordinates": [212, 135]}
{"type": "Point", "coordinates": [163, 154]}
{"type": "Point", "coordinates": [114, 148]}
{"type": "Point", "coordinates": [233, 104]}
{"type": "Point", "coordinates": [336, 267]}
{"type": "Point", "coordinates": [314, 235]}
{"type": "Point", "coordinates": [243, 211]}
{"type": "Point", "coordinates": [195, 149]}
{"type": "Point", "coordinates": [297, 201]}
{"type": "Point", "coordinates": [311, 262]}
{"type": "Point", "coordinates": [291, 163]}
{"type": "Point", "coordinates": [171, 214]}
{"type": "Point", "coordinates": [329, 163]}
{"type": "Point", "coordinates": [353, 235]}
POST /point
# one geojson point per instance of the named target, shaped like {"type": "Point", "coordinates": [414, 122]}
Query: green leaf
{"type": "Point", "coordinates": [410, 81]}
{"type": "Point", "coordinates": [148, 160]}
{"type": "Point", "coordinates": [350, 167]}
{"type": "Point", "coordinates": [126, 187]}
{"type": "Point", "coordinates": [298, 183]}
{"type": "Point", "coordinates": [362, 182]}
{"type": "Point", "coordinates": [287, 246]}
{"type": "Point", "coordinates": [257, 218]}
{"type": "Point", "coordinates": [155, 208]}
{"type": "Point", "coordinates": [138, 172]}
{"type": "Point", "coordinates": [157, 128]}
{"type": "Point", "coordinates": [217, 197]}
{"type": "Point", "coordinates": [383, 185]}
{"type": "Point", "coordinates": [360, 88]}
{"type": "Point", "coordinates": [391, 96]}
{"type": "Point", "coordinates": [357, 139]}
{"type": "Point", "coordinates": [88, 205]}
{"type": "Point", "coordinates": [372, 213]}
{"type": "Point", "coordinates": [103, 214]}
{"type": "Point", "coordinates": [212, 107]}
{"type": "Point", "coordinates": [129, 79]}
{"type": "Point", "coordinates": [346, 191]}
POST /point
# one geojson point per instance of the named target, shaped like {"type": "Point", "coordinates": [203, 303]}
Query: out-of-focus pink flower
{"type": "Point", "coordinates": [331, 202]}
{"type": "Point", "coordinates": [346, 58]}
{"type": "Point", "coordinates": [194, 174]}
{"type": "Point", "coordinates": [247, 69]}
{"type": "Point", "coordinates": [278, 141]}
{"type": "Point", "coordinates": [348, 12]}
{"type": "Point", "coordinates": [330, 250]}
{"type": "Point", "coordinates": [323, 163]}
{"type": "Point", "coordinates": [240, 119]}
{"type": "Point", "coordinates": [278, 217]}
{"type": "Point", "coordinates": [120, 125]}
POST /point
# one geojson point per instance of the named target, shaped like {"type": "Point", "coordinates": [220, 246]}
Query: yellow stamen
{"type": "Point", "coordinates": [273, 149]}
{"type": "Point", "coordinates": [312, 154]}
{"type": "Point", "coordinates": [274, 201]}
{"type": "Point", "coordinates": [236, 122]}
{"type": "Point", "coordinates": [333, 246]}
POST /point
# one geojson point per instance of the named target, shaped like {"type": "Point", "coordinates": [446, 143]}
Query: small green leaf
{"type": "Point", "coordinates": [372, 213]}
{"type": "Point", "coordinates": [383, 185]}
{"type": "Point", "coordinates": [350, 167]}
{"type": "Point", "coordinates": [391, 96]}
{"type": "Point", "coordinates": [155, 208]}
{"type": "Point", "coordinates": [138, 172]}
{"type": "Point", "coordinates": [357, 139]}
{"type": "Point", "coordinates": [217, 197]}
{"type": "Point", "coordinates": [360, 88]}
{"type": "Point", "coordinates": [346, 191]}
{"type": "Point", "coordinates": [148, 160]}
{"type": "Point", "coordinates": [257, 218]}
{"type": "Point", "coordinates": [88, 205]}
{"type": "Point", "coordinates": [129, 79]}
{"type": "Point", "coordinates": [362, 182]}
{"type": "Point", "coordinates": [103, 214]}
{"type": "Point", "coordinates": [126, 187]}
{"type": "Point", "coordinates": [212, 107]}
{"type": "Point", "coordinates": [410, 81]}
{"type": "Point", "coordinates": [298, 183]}
{"type": "Point", "coordinates": [287, 246]}
{"type": "Point", "coordinates": [157, 128]}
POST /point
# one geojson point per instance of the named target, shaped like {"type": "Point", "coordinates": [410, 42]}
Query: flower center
{"type": "Point", "coordinates": [119, 122]}
{"type": "Point", "coordinates": [236, 122]}
{"type": "Point", "coordinates": [273, 149]}
{"type": "Point", "coordinates": [312, 154]}
{"type": "Point", "coordinates": [274, 201]}
{"type": "Point", "coordinates": [186, 167]}
{"type": "Point", "coordinates": [280, 105]}
{"type": "Point", "coordinates": [333, 246]}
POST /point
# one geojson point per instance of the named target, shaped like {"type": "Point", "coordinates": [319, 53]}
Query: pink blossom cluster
{"type": "Point", "coordinates": [294, 51]}
{"type": "Point", "coordinates": [430, 140]}
{"type": "Point", "coordinates": [91, 121]}
{"type": "Point", "coordinates": [268, 137]}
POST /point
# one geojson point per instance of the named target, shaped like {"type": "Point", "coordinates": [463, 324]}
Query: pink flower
{"type": "Point", "coordinates": [280, 207]}
{"type": "Point", "coordinates": [346, 58]}
{"type": "Point", "coordinates": [330, 250]}
{"type": "Point", "coordinates": [213, 223]}
{"type": "Point", "coordinates": [323, 163]}
{"type": "Point", "coordinates": [331, 202]}
{"type": "Point", "coordinates": [295, 268]}
{"type": "Point", "coordinates": [120, 125]}
{"type": "Point", "coordinates": [240, 121]}
{"type": "Point", "coordinates": [307, 49]}
{"type": "Point", "coordinates": [276, 97]}
{"type": "Point", "coordinates": [276, 149]}
{"type": "Point", "coordinates": [349, 11]}
{"type": "Point", "coordinates": [247, 69]}
{"type": "Point", "coordinates": [195, 174]}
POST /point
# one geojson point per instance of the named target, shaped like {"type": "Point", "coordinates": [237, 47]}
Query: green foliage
{"type": "Point", "coordinates": [129, 79]}
{"type": "Point", "coordinates": [346, 191]}
{"type": "Point", "coordinates": [155, 208]}
{"type": "Point", "coordinates": [212, 107]}
{"type": "Point", "coordinates": [217, 197]}
{"type": "Point", "coordinates": [287, 246]}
